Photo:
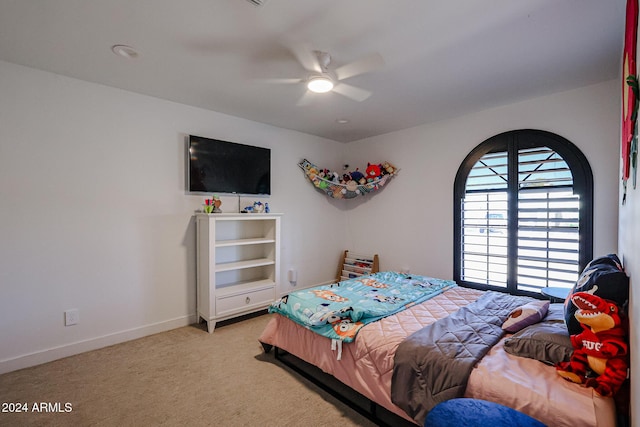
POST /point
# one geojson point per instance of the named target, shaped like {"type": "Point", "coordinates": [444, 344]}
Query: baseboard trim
{"type": "Point", "coordinates": [55, 353]}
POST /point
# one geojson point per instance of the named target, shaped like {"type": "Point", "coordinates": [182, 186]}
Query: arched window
{"type": "Point", "coordinates": [523, 213]}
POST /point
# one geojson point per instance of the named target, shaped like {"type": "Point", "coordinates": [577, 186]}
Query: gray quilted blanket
{"type": "Point", "coordinates": [434, 364]}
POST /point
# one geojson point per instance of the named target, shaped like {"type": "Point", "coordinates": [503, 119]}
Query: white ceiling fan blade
{"type": "Point", "coordinates": [305, 56]}
{"type": "Point", "coordinates": [280, 80]}
{"type": "Point", "coordinates": [361, 66]}
{"type": "Point", "coordinates": [305, 99]}
{"type": "Point", "coordinates": [351, 92]}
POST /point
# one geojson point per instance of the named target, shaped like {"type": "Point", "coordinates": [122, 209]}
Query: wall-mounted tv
{"type": "Point", "coordinates": [227, 167]}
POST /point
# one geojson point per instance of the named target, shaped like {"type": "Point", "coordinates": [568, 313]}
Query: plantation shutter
{"type": "Point", "coordinates": [548, 221]}
{"type": "Point", "coordinates": [544, 221]}
{"type": "Point", "coordinates": [484, 221]}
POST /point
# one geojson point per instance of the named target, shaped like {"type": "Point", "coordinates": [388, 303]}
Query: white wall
{"type": "Point", "coordinates": [410, 221]}
{"type": "Point", "coordinates": [94, 215]}
{"type": "Point", "coordinates": [629, 250]}
{"type": "Point", "coordinates": [630, 254]}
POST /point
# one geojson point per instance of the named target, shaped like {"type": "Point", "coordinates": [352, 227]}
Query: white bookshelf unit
{"type": "Point", "coordinates": [238, 264]}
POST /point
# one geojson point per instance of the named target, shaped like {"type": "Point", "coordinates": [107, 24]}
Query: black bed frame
{"type": "Point", "coordinates": [356, 401]}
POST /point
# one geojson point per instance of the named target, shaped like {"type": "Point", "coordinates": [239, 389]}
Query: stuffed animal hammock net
{"type": "Point", "coordinates": [349, 185]}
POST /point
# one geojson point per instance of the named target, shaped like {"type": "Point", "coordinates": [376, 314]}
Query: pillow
{"type": "Point", "coordinates": [555, 313]}
{"type": "Point", "coordinates": [547, 341]}
{"type": "Point", "coordinates": [526, 315]}
{"type": "Point", "coordinates": [603, 277]}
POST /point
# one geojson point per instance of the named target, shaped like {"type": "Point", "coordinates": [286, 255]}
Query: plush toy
{"type": "Point", "coordinates": [387, 168]}
{"type": "Point", "coordinates": [258, 207]}
{"type": "Point", "coordinates": [351, 186]}
{"type": "Point", "coordinates": [373, 172]}
{"type": "Point", "coordinates": [356, 175]}
{"type": "Point", "coordinates": [337, 192]}
{"type": "Point", "coordinates": [306, 164]}
{"type": "Point", "coordinates": [600, 349]}
{"type": "Point", "coordinates": [312, 172]}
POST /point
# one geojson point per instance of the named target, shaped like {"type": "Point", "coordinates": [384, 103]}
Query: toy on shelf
{"type": "Point", "coordinates": [212, 205]}
{"type": "Point", "coordinates": [350, 184]}
{"type": "Point", "coordinates": [256, 207]}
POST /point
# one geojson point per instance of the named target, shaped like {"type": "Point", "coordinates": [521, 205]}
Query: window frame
{"type": "Point", "coordinates": [512, 142]}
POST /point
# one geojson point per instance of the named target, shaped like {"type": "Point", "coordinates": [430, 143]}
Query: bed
{"type": "Point", "coordinates": [366, 363]}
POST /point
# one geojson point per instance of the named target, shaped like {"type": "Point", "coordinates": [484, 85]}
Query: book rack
{"type": "Point", "coordinates": [354, 265]}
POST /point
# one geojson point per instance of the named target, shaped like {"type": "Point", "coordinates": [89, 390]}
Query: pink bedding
{"type": "Point", "coordinates": [535, 389]}
{"type": "Point", "coordinates": [367, 366]}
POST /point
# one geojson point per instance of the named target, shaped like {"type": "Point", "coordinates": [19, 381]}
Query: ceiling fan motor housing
{"type": "Point", "coordinates": [324, 59]}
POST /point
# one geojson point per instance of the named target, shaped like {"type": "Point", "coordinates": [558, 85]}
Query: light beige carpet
{"type": "Point", "coordinates": [184, 377]}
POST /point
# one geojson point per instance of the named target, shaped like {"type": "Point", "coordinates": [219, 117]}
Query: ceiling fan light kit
{"type": "Point", "coordinates": [320, 84]}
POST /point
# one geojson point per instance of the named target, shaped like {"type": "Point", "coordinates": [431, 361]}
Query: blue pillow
{"type": "Point", "coordinates": [477, 413]}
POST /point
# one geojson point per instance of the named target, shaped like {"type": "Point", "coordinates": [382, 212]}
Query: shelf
{"type": "Point", "coordinates": [228, 266]}
{"type": "Point", "coordinates": [353, 261]}
{"type": "Point", "coordinates": [238, 257]}
{"type": "Point", "coordinates": [555, 294]}
{"type": "Point", "coordinates": [356, 269]}
{"type": "Point", "coordinates": [241, 242]}
{"type": "Point", "coordinates": [242, 217]}
{"type": "Point", "coordinates": [347, 274]}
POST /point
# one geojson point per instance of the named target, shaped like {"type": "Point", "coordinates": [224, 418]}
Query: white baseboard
{"type": "Point", "coordinates": [51, 354]}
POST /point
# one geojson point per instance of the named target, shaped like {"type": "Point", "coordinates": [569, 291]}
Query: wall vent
{"type": "Point", "coordinates": [257, 2]}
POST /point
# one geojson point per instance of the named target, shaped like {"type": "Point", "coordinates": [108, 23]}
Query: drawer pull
{"type": "Point", "coordinates": [248, 300]}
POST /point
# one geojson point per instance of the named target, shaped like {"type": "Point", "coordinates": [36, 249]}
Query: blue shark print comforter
{"type": "Point", "coordinates": [339, 310]}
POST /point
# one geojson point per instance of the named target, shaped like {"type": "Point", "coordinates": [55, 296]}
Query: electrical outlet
{"type": "Point", "coordinates": [71, 317]}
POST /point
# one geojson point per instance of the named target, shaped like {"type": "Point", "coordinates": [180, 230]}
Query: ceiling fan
{"type": "Point", "coordinates": [322, 79]}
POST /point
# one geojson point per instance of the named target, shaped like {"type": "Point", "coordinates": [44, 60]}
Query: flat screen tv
{"type": "Point", "coordinates": [227, 167]}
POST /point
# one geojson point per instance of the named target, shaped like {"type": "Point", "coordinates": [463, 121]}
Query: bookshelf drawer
{"type": "Point", "coordinates": [226, 305]}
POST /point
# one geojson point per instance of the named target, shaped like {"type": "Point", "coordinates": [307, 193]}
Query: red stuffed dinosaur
{"type": "Point", "coordinates": [601, 347]}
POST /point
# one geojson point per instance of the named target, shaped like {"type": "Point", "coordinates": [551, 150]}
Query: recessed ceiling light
{"type": "Point", "coordinates": [125, 51]}
{"type": "Point", "coordinates": [342, 121]}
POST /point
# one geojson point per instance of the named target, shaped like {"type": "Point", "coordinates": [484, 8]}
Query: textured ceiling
{"type": "Point", "coordinates": [442, 58]}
